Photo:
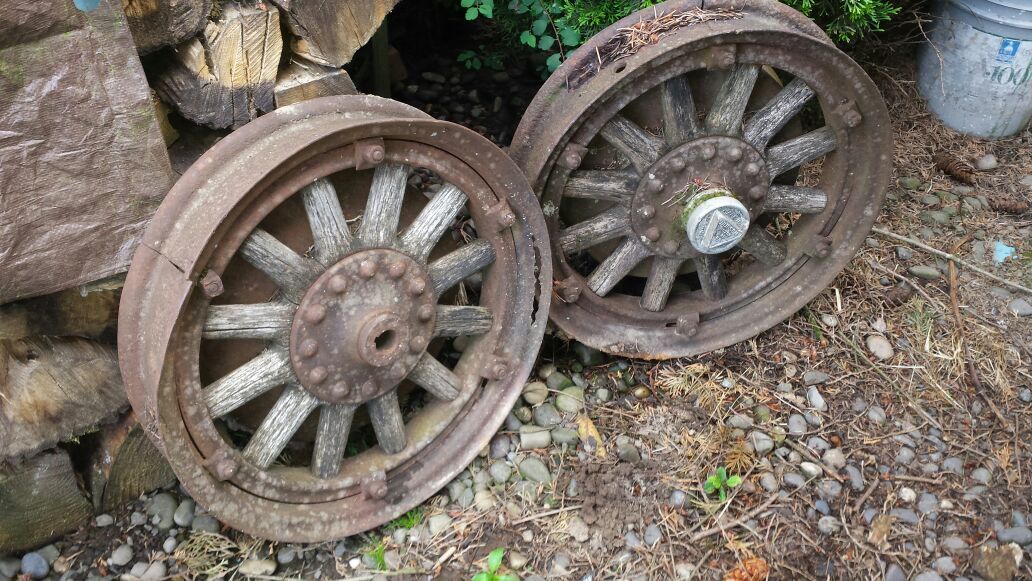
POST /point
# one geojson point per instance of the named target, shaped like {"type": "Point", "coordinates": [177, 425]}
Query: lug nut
{"type": "Point", "coordinates": [652, 234]}
{"type": "Point", "coordinates": [340, 391]}
{"type": "Point", "coordinates": [222, 466]}
{"type": "Point", "coordinates": [416, 343]}
{"type": "Point", "coordinates": [309, 347]}
{"type": "Point", "coordinates": [315, 314]}
{"type": "Point", "coordinates": [655, 186]}
{"type": "Point", "coordinates": [752, 169]}
{"type": "Point", "coordinates": [367, 269]}
{"type": "Point", "coordinates": [318, 375]}
{"type": "Point", "coordinates": [397, 371]}
{"type": "Point", "coordinates": [417, 286]}
{"type": "Point", "coordinates": [647, 211]}
{"type": "Point", "coordinates": [425, 313]}
{"type": "Point", "coordinates": [757, 193]}
{"type": "Point", "coordinates": [339, 284]}
{"type": "Point", "coordinates": [734, 153]}
{"type": "Point", "coordinates": [572, 160]}
{"type": "Point", "coordinates": [375, 154]}
{"type": "Point", "coordinates": [709, 152]}
{"type": "Point", "coordinates": [853, 118]}
{"type": "Point", "coordinates": [677, 164]}
{"type": "Point", "coordinates": [397, 269]}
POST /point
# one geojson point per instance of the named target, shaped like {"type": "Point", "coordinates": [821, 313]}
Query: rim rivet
{"type": "Point", "coordinates": [734, 153]}
{"type": "Point", "coordinates": [309, 347]}
{"type": "Point", "coordinates": [315, 314]}
{"type": "Point", "coordinates": [677, 164]}
{"type": "Point", "coordinates": [647, 211]}
{"type": "Point", "coordinates": [416, 287]}
{"type": "Point", "coordinates": [416, 343]}
{"type": "Point", "coordinates": [709, 152]}
{"type": "Point", "coordinates": [853, 118]}
{"type": "Point", "coordinates": [670, 246]}
{"type": "Point", "coordinates": [655, 186]}
{"type": "Point", "coordinates": [652, 234]}
{"type": "Point", "coordinates": [397, 269]}
{"type": "Point", "coordinates": [318, 375]}
{"type": "Point", "coordinates": [398, 371]}
{"type": "Point", "coordinates": [340, 391]}
{"type": "Point", "coordinates": [339, 283]}
{"type": "Point", "coordinates": [368, 388]}
{"type": "Point", "coordinates": [367, 269]}
{"type": "Point", "coordinates": [757, 192]}
{"type": "Point", "coordinates": [425, 312]}
{"type": "Point", "coordinates": [376, 154]}
{"type": "Point", "coordinates": [752, 169]}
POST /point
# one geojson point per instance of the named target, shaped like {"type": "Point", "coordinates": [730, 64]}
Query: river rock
{"type": "Point", "coordinates": [880, 347]}
{"type": "Point", "coordinates": [570, 400]}
{"type": "Point", "coordinates": [535, 392]}
{"type": "Point", "coordinates": [534, 437]}
{"type": "Point", "coordinates": [534, 469]}
{"type": "Point", "coordinates": [546, 416]}
{"type": "Point", "coordinates": [257, 567]}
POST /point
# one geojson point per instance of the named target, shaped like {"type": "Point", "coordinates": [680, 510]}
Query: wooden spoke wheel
{"type": "Point", "coordinates": [703, 184]}
{"type": "Point", "coordinates": [286, 323]}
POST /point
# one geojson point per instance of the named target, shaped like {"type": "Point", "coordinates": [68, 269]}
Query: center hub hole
{"type": "Point", "coordinates": [385, 340]}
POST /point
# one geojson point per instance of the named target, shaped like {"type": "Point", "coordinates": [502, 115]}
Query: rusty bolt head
{"type": "Point", "coordinates": [222, 466]}
{"type": "Point", "coordinates": [374, 488]}
{"type": "Point", "coordinates": [734, 153]}
{"type": "Point", "coordinates": [499, 370]}
{"type": "Point", "coordinates": [315, 314]}
{"type": "Point", "coordinates": [853, 118]}
{"type": "Point", "coordinates": [417, 286]}
{"type": "Point", "coordinates": [425, 313]}
{"type": "Point", "coordinates": [340, 390]}
{"type": "Point", "coordinates": [647, 211]}
{"type": "Point", "coordinates": [655, 186]}
{"type": "Point", "coordinates": [339, 284]}
{"type": "Point", "coordinates": [308, 348]}
{"type": "Point", "coordinates": [416, 343]}
{"type": "Point", "coordinates": [757, 192]}
{"type": "Point", "coordinates": [367, 269]}
{"type": "Point", "coordinates": [709, 152]}
{"type": "Point", "coordinates": [652, 234]}
{"type": "Point", "coordinates": [506, 219]}
{"type": "Point", "coordinates": [397, 269]}
{"type": "Point", "coordinates": [671, 246]}
{"type": "Point", "coordinates": [570, 293]}
{"type": "Point", "coordinates": [368, 388]}
{"type": "Point", "coordinates": [397, 371]}
{"type": "Point", "coordinates": [752, 169]}
{"type": "Point", "coordinates": [211, 284]}
{"type": "Point", "coordinates": [318, 375]}
{"type": "Point", "coordinates": [572, 160]}
{"type": "Point", "coordinates": [687, 326]}
{"type": "Point", "coordinates": [375, 154]}
{"type": "Point", "coordinates": [677, 164]}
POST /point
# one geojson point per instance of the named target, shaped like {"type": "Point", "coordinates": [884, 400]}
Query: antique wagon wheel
{"type": "Point", "coordinates": [251, 284]}
{"type": "Point", "coordinates": [665, 124]}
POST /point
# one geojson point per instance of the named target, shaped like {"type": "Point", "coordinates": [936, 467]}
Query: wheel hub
{"type": "Point", "coordinates": [362, 326]}
{"type": "Point", "coordinates": [660, 207]}
{"type": "Point", "coordinates": [716, 221]}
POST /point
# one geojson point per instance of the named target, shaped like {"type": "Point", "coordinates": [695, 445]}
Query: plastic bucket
{"type": "Point", "coordinates": [976, 68]}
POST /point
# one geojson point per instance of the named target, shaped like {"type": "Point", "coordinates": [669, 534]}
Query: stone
{"type": "Point", "coordinates": [796, 425]}
{"type": "Point", "coordinates": [435, 78]}
{"type": "Point", "coordinates": [761, 443]}
{"type": "Point", "coordinates": [905, 515]}
{"type": "Point", "coordinates": [678, 498]}
{"type": "Point", "coordinates": [578, 529]}
{"type": "Point", "coordinates": [545, 370]}
{"type": "Point", "coordinates": [905, 456]}
{"type": "Point", "coordinates": [512, 423]}
{"type": "Point", "coordinates": [1019, 535]}
{"type": "Point", "coordinates": [1020, 307]}
{"type": "Point", "coordinates": [631, 540]}
{"type": "Point", "coordinates": [121, 556]}
{"type": "Point", "coordinates": [927, 503]}
{"type": "Point", "coordinates": [924, 272]}
{"type": "Point", "coordinates": [944, 565]}
{"type": "Point", "coordinates": [163, 509]}
{"type": "Point", "coordinates": [829, 489]}
{"type": "Point", "coordinates": [876, 414]}
{"type": "Point", "coordinates": [205, 523]}
{"type": "Point", "coordinates": [438, 524]}
{"type": "Point", "coordinates": [567, 436]}
{"type": "Point", "coordinates": [761, 413]}
{"type": "Point", "coordinates": [546, 416]}
{"type": "Point", "coordinates": [534, 437]}
{"type": "Point", "coordinates": [485, 500]}
{"type": "Point", "coordinates": [987, 162]}
{"type": "Point", "coordinates": [627, 452]}
{"type": "Point", "coordinates": [939, 217]}
{"type": "Point", "coordinates": [856, 477]}
{"type": "Point", "coordinates": [815, 378]}
{"type": "Point", "coordinates": [955, 544]}
{"type": "Point", "coordinates": [810, 470]}
{"type": "Point", "coordinates": [104, 520]}
{"type": "Point", "coordinates": [907, 495]}
{"type": "Point", "coordinates": [137, 519]}
{"type": "Point", "coordinates": [500, 471]}
{"type": "Point", "coordinates": [587, 356]}
{"type": "Point", "coordinates": [184, 514]}
{"type": "Point", "coordinates": [904, 253]}
{"type": "Point", "coordinates": [927, 576]}
{"type": "Point", "coordinates": [10, 566]}
{"type": "Point", "coordinates": [35, 566]}
{"type": "Point", "coordinates": [880, 347]}
{"type": "Point", "coordinates": [465, 499]}
{"type": "Point", "coordinates": [769, 482]}
{"type": "Point", "coordinates": [534, 469]}
{"type": "Point", "coordinates": [911, 183]}
{"type": "Point", "coordinates": [499, 446]}
{"type": "Point", "coordinates": [535, 392]}
{"type": "Point", "coordinates": [982, 476]}
{"type": "Point", "coordinates": [828, 525]}
{"type": "Point", "coordinates": [930, 200]}
{"type": "Point", "coordinates": [816, 399]}
{"type": "Point", "coordinates": [794, 480]}
{"type": "Point", "coordinates": [257, 567]}
{"type": "Point", "coordinates": [895, 573]}
{"type": "Point", "coordinates": [1025, 395]}
{"type": "Point", "coordinates": [169, 546]}
{"type": "Point", "coordinates": [138, 569]}
{"type": "Point", "coordinates": [603, 395]}
{"type": "Point", "coordinates": [570, 400]}
{"type": "Point", "coordinates": [560, 566]}
{"type": "Point", "coordinates": [517, 560]}
{"type": "Point", "coordinates": [740, 421]}
{"type": "Point", "coordinates": [557, 381]}
{"type": "Point", "coordinates": [835, 458]}
{"type": "Point", "coordinates": [392, 559]}
{"type": "Point", "coordinates": [652, 535]}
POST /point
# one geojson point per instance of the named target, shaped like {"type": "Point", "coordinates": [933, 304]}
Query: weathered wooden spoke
{"type": "Point", "coordinates": [763, 246]}
{"type": "Point", "coordinates": [433, 376]}
{"type": "Point", "coordinates": [795, 199]}
{"type": "Point", "coordinates": [725, 118]}
{"type": "Point", "coordinates": [454, 321]}
{"type": "Point", "coordinates": [660, 283]}
{"type": "Point", "coordinates": [286, 416]}
{"type": "Point", "coordinates": [606, 185]}
{"type": "Point", "coordinates": [616, 266]}
{"type": "Point", "coordinates": [268, 370]}
{"type": "Point", "coordinates": [795, 152]}
{"type": "Point", "coordinates": [329, 228]}
{"type": "Point", "coordinates": [433, 221]}
{"type": "Point", "coordinates": [331, 439]}
{"type": "Point", "coordinates": [388, 423]}
{"type": "Point", "coordinates": [777, 113]}
{"type": "Point", "coordinates": [383, 208]}
{"type": "Point", "coordinates": [291, 272]}
{"type": "Point", "coordinates": [635, 143]}
{"type": "Point", "coordinates": [680, 123]}
{"type": "Point", "coordinates": [613, 223]}
{"type": "Point", "coordinates": [456, 266]}
{"type": "Point", "coordinates": [712, 278]}
{"type": "Point", "coordinates": [266, 321]}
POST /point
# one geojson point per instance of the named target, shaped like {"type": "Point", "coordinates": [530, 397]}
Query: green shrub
{"type": "Point", "coordinates": [847, 20]}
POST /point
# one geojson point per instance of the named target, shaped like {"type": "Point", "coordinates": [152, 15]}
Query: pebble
{"type": "Point", "coordinates": [484, 500]}
{"type": "Point", "coordinates": [928, 503]}
{"type": "Point", "coordinates": [1025, 395]}
{"type": "Point", "coordinates": [137, 519]}
{"type": "Point", "coordinates": [1020, 307]}
{"type": "Point", "coordinates": [907, 495]}
{"type": "Point", "coordinates": [534, 437]}
{"type": "Point", "coordinates": [894, 573]}
{"type": "Point", "coordinates": [587, 356]}
{"type": "Point", "coordinates": [185, 513]}
{"type": "Point", "coordinates": [925, 272]}
{"type": "Point", "coordinates": [535, 392]}
{"type": "Point", "coordinates": [534, 469]}
{"type": "Point", "coordinates": [9, 567]}
{"type": "Point", "coordinates": [987, 162]}
{"type": "Point", "coordinates": [828, 525]}
{"type": "Point", "coordinates": [810, 470]}
{"type": "Point", "coordinates": [121, 556]}
{"type": "Point", "coordinates": [1019, 535]}
{"type": "Point", "coordinates": [163, 508]}
{"type": "Point", "coordinates": [602, 395]}
{"type": "Point", "coordinates": [762, 414]}
{"type": "Point", "coordinates": [631, 540]}
{"type": "Point", "coordinates": [438, 524]}
{"type": "Point", "coordinates": [512, 423]}
{"type": "Point", "coordinates": [257, 567]}
{"type": "Point", "coordinates": [794, 480]}
{"type": "Point", "coordinates": [517, 560]}
{"type": "Point", "coordinates": [138, 569]}
{"type": "Point", "coordinates": [769, 482]}
{"type": "Point", "coordinates": [570, 400]}
{"type": "Point", "coordinates": [876, 414]}
{"type": "Point", "coordinates": [545, 370]}
{"type": "Point", "coordinates": [816, 399]}
{"type": "Point", "coordinates": [567, 436]}
{"type": "Point", "coordinates": [740, 421]}
{"type": "Point", "coordinates": [955, 544]}
{"type": "Point", "coordinates": [155, 572]}
{"type": "Point", "coordinates": [170, 545]}
{"type": "Point", "coordinates": [822, 507]}
{"type": "Point", "coordinates": [982, 476]}
{"type": "Point", "coordinates": [35, 566]}
{"type": "Point", "coordinates": [499, 447]}
{"type": "Point", "coordinates": [578, 529]}
{"type": "Point", "coordinates": [927, 576]}
{"type": "Point", "coordinates": [205, 523]}
{"type": "Point", "coordinates": [856, 477]}
{"type": "Point", "coordinates": [815, 377]}
{"type": "Point", "coordinates": [905, 456]}
{"type": "Point", "coordinates": [880, 347]}
{"type": "Point", "coordinates": [796, 425]}
{"type": "Point", "coordinates": [500, 471]}
{"type": "Point", "coordinates": [835, 458]}
{"type": "Point", "coordinates": [944, 565]}
{"type": "Point", "coordinates": [905, 515]}
{"type": "Point", "coordinates": [761, 442]}
{"type": "Point", "coordinates": [652, 535]}
{"type": "Point", "coordinates": [904, 253]}
{"type": "Point", "coordinates": [627, 452]}
{"type": "Point", "coordinates": [829, 320]}
{"type": "Point", "coordinates": [104, 520]}
{"type": "Point", "coordinates": [829, 489]}
{"type": "Point", "coordinates": [557, 381]}
{"type": "Point", "coordinates": [546, 416]}
{"type": "Point", "coordinates": [911, 183]}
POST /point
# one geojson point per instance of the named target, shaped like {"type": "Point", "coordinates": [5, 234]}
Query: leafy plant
{"type": "Point", "coordinates": [847, 20]}
{"type": "Point", "coordinates": [494, 563]}
{"type": "Point", "coordinates": [720, 483]}
{"type": "Point", "coordinates": [476, 60]}
{"type": "Point", "coordinates": [409, 520]}
{"type": "Point", "coordinates": [477, 8]}
{"type": "Point", "coordinates": [378, 552]}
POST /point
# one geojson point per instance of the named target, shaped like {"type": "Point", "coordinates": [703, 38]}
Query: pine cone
{"type": "Point", "coordinates": [1008, 205]}
{"type": "Point", "coordinates": [958, 169]}
{"type": "Point", "coordinates": [897, 296]}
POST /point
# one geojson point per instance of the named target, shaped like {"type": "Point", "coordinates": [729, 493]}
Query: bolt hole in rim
{"type": "Point", "coordinates": [329, 496]}
{"type": "Point", "coordinates": [615, 236]}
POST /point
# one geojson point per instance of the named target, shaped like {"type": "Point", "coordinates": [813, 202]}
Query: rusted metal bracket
{"type": "Point", "coordinates": [374, 487]}
{"type": "Point", "coordinates": [500, 216]}
{"type": "Point", "coordinates": [688, 325]}
{"type": "Point", "coordinates": [222, 465]}
{"type": "Point", "coordinates": [211, 284]}
{"type": "Point", "coordinates": [573, 156]}
{"type": "Point", "coordinates": [369, 153]}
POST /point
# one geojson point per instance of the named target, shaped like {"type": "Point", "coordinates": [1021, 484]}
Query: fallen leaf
{"type": "Point", "coordinates": [589, 436]}
{"type": "Point", "coordinates": [753, 569]}
{"type": "Point", "coordinates": [880, 529]}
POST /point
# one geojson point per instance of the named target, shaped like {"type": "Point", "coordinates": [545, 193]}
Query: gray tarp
{"type": "Point", "coordinates": [82, 162]}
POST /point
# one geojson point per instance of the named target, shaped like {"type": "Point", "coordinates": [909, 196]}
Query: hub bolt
{"type": "Point", "coordinates": [734, 153]}
{"type": "Point", "coordinates": [708, 152]}
{"type": "Point", "coordinates": [416, 343]}
{"type": "Point", "coordinates": [375, 154]}
{"type": "Point", "coordinates": [677, 164]}
{"type": "Point", "coordinates": [397, 269]}
{"type": "Point", "coordinates": [752, 169]}
{"type": "Point", "coordinates": [339, 284]}
{"type": "Point", "coordinates": [222, 466]}
{"type": "Point", "coordinates": [398, 371]}
{"type": "Point", "coordinates": [367, 269]}
{"type": "Point", "coordinates": [318, 375]}
{"type": "Point", "coordinates": [647, 211]}
{"type": "Point", "coordinates": [309, 347]}
{"type": "Point", "coordinates": [652, 234]}
{"type": "Point", "coordinates": [368, 388]}
{"type": "Point", "coordinates": [340, 391]}
{"type": "Point", "coordinates": [417, 286]}
{"type": "Point", "coordinates": [315, 314]}
{"type": "Point", "coordinates": [670, 246]}
{"type": "Point", "coordinates": [757, 193]}
{"type": "Point", "coordinates": [375, 488]}
{"type": "Point", "coordinates": [655, 186]}
{"type": "Point", "coordinates": [425, 313]}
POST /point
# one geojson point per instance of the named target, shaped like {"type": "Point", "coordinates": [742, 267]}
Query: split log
{"type": "Point", "coordinates": [40, 500]}
{"type": "Point", "coordinates": [67, 313]}
{"type": "Point", "coordinates": [125, 464]}
{"type": "Point", "coordinates": [156, 24]}
{"type": "Point", "coordinates": [330, 33]}
{"type": "Point", "coordinates": [52, 390]}
{"type": "Point", "coordinates": [302, 80]}
{"type": "Point", "coordinates": [226, 77]}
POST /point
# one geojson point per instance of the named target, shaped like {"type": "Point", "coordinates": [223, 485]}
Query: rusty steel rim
{"type": "Point", "coordinates": [331, 321]}
{"type": "Point", "coordinates": [685, 133]}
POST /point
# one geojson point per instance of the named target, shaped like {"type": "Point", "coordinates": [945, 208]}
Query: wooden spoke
{"type": "Point", "coordinates": [331, 439]}
{"type": "Point", "coordinates": [291, 272]}
{"type": "Point", "coordinates": [434, 377]}
{"type": "Point", "coordinates": [389, 425]}
{"type": "Point", "coordinates": [777, 113]}
{"type": "Point", "coordinates": [763, 246]}
{"type": "Point", "coordinates": [725, 118]}
{"type": "Point", "coordinates": [329, 228]}
{"type": "Point", "coordinates": [616, 266]}
{"type": "Point", "coordinates": [610, 186]}
{"type": "Point", "coordinates": [266, 321]}
{"type": "Point", "coordinates": [712, 278]}
{"type": "Point", "coordinates": [639, 146]}
{"type": "Point", "coordinates": [456, 266]}
{"type": "Point", "coordinates": [455, 321]}
{"type": "Point", "coordinates": [433, 221]}
{"type": "Point", "coordinates": [660, 283]}
{"type": "Point", "coordinates": [383, 208]}
{"type": "Point", "coordinates": [268, 370]}
{"type": "Point", "coordinates": [613, 223]}
{"type": "Point", "coordinates": [286, 416]}
{"type": "Point", "coordinates": [795, 199]}
{"type": "Point", "coordinates": [679, 121]}
{"type": "Point", "coordinates": [795, 152]}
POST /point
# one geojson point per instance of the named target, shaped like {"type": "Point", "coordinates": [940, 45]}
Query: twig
{"type": "Point", "coordinates": [723, 527]}
{"type": "Point", "coordinates": [867, 494]}
{"type": "Point", "coordinates": [828, 469]}
{"type": "Point", "coordinates": [954, 258]}
{"type": "Point", "coordinates": [912, 284]}
{"type": "Point", "coordinates": [544, 514]}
